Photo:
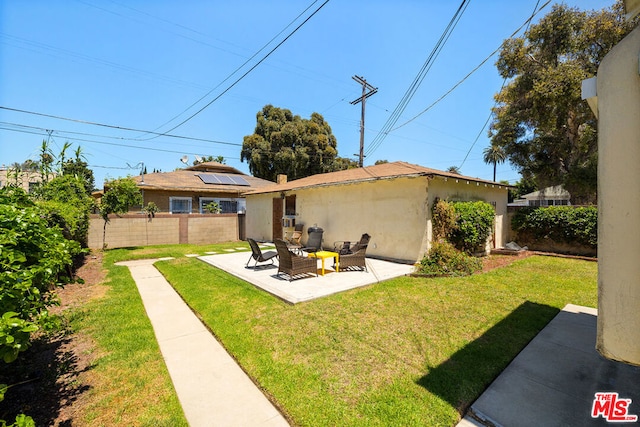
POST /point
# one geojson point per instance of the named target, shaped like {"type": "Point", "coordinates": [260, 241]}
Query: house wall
{"type": "Point", "coordinates": [395, 212]}
{"type": "Point", "coordinates": [618, 90]}
{"type": "Point", "coordinates": [138, 230]}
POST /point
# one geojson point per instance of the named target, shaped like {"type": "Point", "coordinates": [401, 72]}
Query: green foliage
{"type": "Point", "coordinates": [151, 209]}
{"type": "Point", "coordinates": [34, 259]}
{"type": "Point", "coordinates": [283, 143]}
{"type": "Point", "coordinates": [21, 421]}
{"type": "Point", "coordinates": [444, 259]}
{"type": "Point", "coordinates": [67, 204]}
{"type": "Point", "coordinates": [474, 223]}
{"type": "Point", "coordinates": [205, 159]}
{"type": "Point", "coordinates": [459, 228]}
{"type": "Point", "coordinates": [545, 128]}
{"type": "Point", "coordinates": [79, 169]}
{"type": "Point", "coordinates": [212, 207]}
{"type": "Point", "coordinates": [120, 195]}
{"type": "Point", "coordinates": [562, 224]}
{"type": "Point", "coordinates": [443, 220]}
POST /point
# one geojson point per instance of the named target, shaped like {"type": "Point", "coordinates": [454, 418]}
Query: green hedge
{"type": "Point", "coordinates": [35, 258]}
{"type": "Point", "coordinates": [474, 222]}
{"type": "Point", "coordinates": [562, 224]}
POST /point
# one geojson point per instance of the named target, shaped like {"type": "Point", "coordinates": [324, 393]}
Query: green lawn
{"type": "Point", "coordinates": [409, 351]}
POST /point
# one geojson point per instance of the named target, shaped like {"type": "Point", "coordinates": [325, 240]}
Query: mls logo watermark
{"type": "Point", "coordinates": [612, 408]}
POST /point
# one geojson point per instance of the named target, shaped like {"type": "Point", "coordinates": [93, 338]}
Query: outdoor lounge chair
{"type": "Point", "coordinates": [258, 255]}
{"type": "Point", "coordinates": [353, 256]}
{"type": "Point", "coordinates": [314, 243]}
{"type": "Point", "coordinates": [292, 264]}
{"type": "Point", "coordinates": [293, 241]}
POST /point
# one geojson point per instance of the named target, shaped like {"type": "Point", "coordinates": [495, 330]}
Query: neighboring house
{"type": "Point", "coordinates": [391, 201]}
{"type": "Point", "coordinates": [27, 180]}
{"type": "Point", "coordinates": [550, 196]}
{"type": "Point", "coordinates": [190, 190]}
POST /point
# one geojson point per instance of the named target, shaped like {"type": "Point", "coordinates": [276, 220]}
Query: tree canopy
{"type": "Point", "coordinates": [284, 143]}
{"type": "Point", "coordinates": [546, 130]}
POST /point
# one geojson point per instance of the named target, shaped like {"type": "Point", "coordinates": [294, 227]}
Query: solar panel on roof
{"type": "Point", "coordinates": [238, 180]}
{"type": "Point", "coordinates": [220, 179]}
{"type": "Point", "coordinates": [209, 178]}
{"type": "Point", "coordinates": [224, 179]}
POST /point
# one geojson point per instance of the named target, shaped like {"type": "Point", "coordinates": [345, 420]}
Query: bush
{"type": "Point", "coordinates": [444, 220]}
{"type": "Point", "coordinates": [562, 224]}
{"type": "Point", "coordinates": [35, 258]}
{"type": "Point", "coordinates": [68, 206]}
{"type": "Point", "coordinates": [474, 222]}
{"type": "Point", "coordinates": [444, 259]}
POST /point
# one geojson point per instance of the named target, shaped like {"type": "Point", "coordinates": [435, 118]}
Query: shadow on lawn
{"type": "Point", "coordinates": [464, 376]}
{"type": "Point", "coordinates": [45, 382]}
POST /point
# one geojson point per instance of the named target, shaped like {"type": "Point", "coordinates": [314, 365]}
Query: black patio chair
{"type": "Point", "coordinates": [258, 255]}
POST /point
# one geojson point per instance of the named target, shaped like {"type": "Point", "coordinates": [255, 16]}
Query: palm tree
{"type": "Point", "coordinates": [494, 154]}
{"type": "Point", "coordinates": [454, 169]}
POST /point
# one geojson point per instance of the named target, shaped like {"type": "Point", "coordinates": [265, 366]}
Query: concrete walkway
{"type": "Point", "coordinates": [554, 380]}
{"type": "Point", "coordinates": [213, 390]}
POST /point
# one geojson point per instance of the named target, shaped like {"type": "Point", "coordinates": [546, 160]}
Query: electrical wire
{"type": "Point", "coordinates": [448, 92]}
{"type": "Point", "coordinates": [236, 70]}
{"type": "Point", "coordinates": [247, 72]}
{"type": "Point", "coordinates": [504, 81]}
{"type": "Point", "coordinates": [117, 127]}
{"type": "Point", "coordinates": [402, 105]}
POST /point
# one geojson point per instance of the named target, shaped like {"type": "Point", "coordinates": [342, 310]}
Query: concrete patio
{"type": "Point", "coordinates": [265, 276]}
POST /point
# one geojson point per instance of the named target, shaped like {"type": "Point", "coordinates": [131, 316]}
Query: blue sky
{"type": "Point", "coordinates": [140, 66]}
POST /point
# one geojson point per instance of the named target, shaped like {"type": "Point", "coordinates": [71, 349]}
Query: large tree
{"type": "Point", "coordinates": [547, 131]}
{"type": "Point", "coordinates": [283, 143]}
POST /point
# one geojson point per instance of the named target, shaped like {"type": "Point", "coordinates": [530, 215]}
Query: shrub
{"type": "Point", "coordinates": [444, 259]}
{"type": "Point", "coordinates": [444, 220]}
{"type": "Point", "coordinates": [474, 222]}
{"type": "Point", "coordinates": [562, 224]}
{"type": "Point", "coordinates": [67, 204]}
{"type": "Point", "coordinates": [35, 258]}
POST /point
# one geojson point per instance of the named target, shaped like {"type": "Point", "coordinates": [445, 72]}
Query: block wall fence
{"type": "Point", "coordinates": [139, 230]}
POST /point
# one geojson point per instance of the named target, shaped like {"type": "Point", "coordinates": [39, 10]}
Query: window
{"type": "Point", "coordinates": [290, 205]}
{"type": "Point", "coordinates": [180, 205]}
{"type": "Point", "coordinates": [226, 205]}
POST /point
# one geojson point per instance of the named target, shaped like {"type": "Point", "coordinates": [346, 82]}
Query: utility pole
{"type": "Point", "coordinates": [367, 91]}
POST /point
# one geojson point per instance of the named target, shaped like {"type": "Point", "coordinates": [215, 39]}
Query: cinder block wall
{"type": "Point", "coordinates": [138, 230]}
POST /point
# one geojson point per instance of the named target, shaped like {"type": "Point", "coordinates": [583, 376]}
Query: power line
{"type": "Point", "coordinates": [237, 69]}
{"type": "Point", "coordinates": [504, 82]}
{"type": "Point", "coordinates": [402, 105]}
{"type": "Point", "coordinates": [250, 69]}
{"type": "Point", "coordinates": [525, 23]}
{"type": "Point", "coordinates": [118, 127]}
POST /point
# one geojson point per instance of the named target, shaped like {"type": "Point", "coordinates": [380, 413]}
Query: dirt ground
{"type": "Point", "coordinates": [51, 378]}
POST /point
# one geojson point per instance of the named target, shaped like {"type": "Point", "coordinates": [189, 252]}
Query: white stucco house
{"type": "Point", "coordinates": [549, 196]}
{"type": "Point", "coordinates": [392, 202]}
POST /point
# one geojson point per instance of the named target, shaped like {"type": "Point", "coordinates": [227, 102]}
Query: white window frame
{"type": "Point", "coordinates": [241, 204]}
{"type": "Point", "coordinates": [180, 199]}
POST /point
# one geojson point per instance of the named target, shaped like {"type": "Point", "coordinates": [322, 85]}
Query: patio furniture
{"type": "Point", "coordinates": [353, 256]}
{"type": "Point", "coordinates": [324, 255]}
{"type": "Point", "coordinates": [258, 255]}
{"type": "Point", "coordinates": [293, 241]}
{"type": "Point", "coordinates": [292, 264]}
{"type": "Point", "coordinates": [314, 243]}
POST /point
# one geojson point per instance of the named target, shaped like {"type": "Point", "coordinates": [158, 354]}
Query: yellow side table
{"type": "Point", "coordinates": [324, 255]}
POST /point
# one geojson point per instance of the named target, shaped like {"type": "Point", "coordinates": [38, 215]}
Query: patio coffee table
{"type": "Point", "coordinates": [324, 255]}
